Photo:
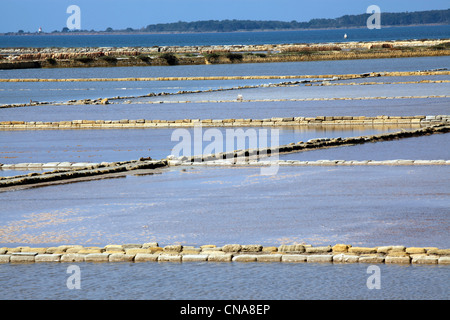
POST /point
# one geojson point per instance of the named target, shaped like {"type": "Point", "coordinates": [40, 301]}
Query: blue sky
{"type": "Point", "coordinates": [29, 15]}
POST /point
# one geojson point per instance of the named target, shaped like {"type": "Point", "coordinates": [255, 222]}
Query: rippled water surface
{"type": "Point", "coordinates": [358, 205]}
{"type": "Point", "coordinates": [218, 281]}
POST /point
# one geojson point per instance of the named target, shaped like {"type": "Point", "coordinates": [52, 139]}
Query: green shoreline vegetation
{"type": "Point", "coordinates": [170, 56]}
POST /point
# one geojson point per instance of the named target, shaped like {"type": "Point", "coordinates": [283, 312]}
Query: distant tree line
{"type": "Point", "coordinates": [441, 17]}
{"type": "Point", "coordinates": [347, 21]}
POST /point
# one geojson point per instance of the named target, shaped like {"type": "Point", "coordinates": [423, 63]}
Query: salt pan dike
{"type": "Point", "coordinates": [89, 170]}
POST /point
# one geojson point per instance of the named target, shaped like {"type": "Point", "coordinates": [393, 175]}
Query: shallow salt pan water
{"type": "Point", "coordinates": [110, 145]}
{"type": "Point", "coordinates": [228, 281]}
{"type": "Point", "coordinates": [434, 147]}
{"type": "Point", "coordinates": [367, 206]}
{"type": "Point", "coordinates": [306, 92]}
{"type": "Point", "coordinates": [23, 92]}
{"type": "Point", "coordinates": [230, 110]}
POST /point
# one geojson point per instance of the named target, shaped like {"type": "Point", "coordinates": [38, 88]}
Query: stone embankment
{"type": "Point", "coordinates": [239, 156]}
{"type": "Point", "coordinates": [254, 77]}
{"type": "Point", "coordinates": [295, 253]}
{"type": "Point", "coordinates": [75, 171]}
{"type": "Point", "coordinates": [419, 120]}
{"type": "Point", "coordinates": [67, 52]}
{"type": "Point", "coordinates": [175, 162]}
{"type": "Point", "coordinates": [13, 58]}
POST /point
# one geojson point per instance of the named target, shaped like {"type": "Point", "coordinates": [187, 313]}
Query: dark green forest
{"type": "Point", "coordinates": [347, 21]}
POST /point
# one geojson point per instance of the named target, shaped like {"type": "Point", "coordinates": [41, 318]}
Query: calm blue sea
{"type": "Point", "coordinates": [243, 38]}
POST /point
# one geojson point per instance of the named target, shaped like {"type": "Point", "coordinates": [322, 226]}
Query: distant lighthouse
{"type": "Point", "coordinates": [40, 30]}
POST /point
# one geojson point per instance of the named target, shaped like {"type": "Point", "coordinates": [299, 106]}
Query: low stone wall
{"type": "Point", "coordinates": [294, 253]}
{"type": "Point", "coordinates": [174, 162]}
{"type": "Point", "coordinates": [395, 162]}
{"type": "Point", "coordinates": [80, 171]}
{"type": "Point", "coordinates": [240, 156]}
{"type": "Point", "coordinates": [68, 171]}
{"type": "Point", "coordinates": [238, 100]}
{"type": "Point", "coordinates": [261, 77]}
{"type": "Point", "coordinates": [280, 121]}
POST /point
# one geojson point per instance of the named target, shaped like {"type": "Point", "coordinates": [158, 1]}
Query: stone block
{"type": "Point", "coordinates": [371, 259]}
{"type": "Point", "coordinates": [46, 257]}
{"type": "Point", "coordinates": [5, 258]}
{"type": "Point", "coordinates": [90, 250]}
{"type": "Point", "coordinates": [269, 249]}
{"type": "Point", "coordinates": [231, 248]}
{"type": "Point", "coordinates": [441, 252]}
{"type": "Point", "coordinates": [173, 248]}
{"type": "Point", "coordinates": [134, 251]}
{"type": "Point", "coordinates": [223, 257]}
{"type": "Point", "coordinates": [320, 258]}
{"type": "Point", "coordinates": [35, 250]}
{"type": "Point", "coordinates": [444, 260]}
{"type": "Point", "coordinates": [384, 249]}
{"type": "Point", "coordinates": [251, 248]}
{"type": "Point", "coordinates": [269, 258]}
{"type": "Point", "coordinates": [194, 257]}
{"type": "Point", "coordinates": [322, 249]}
{"type": "Point", "coordinates": [211, 250]}
{"type": "Point", "coordinates": [66, 247]}
{"type": "Point", "coordinates": [150, 245]}
{"type": "Point", "coordinates": [362, 250]}
{"type": "Point", "coordinates": [191, 251]}
{"type": "Point", "coordinates": [293, 258]}
{"type": "Point", "coordinates": [22, 258]}
{"type": "Point", "coordinates": [245, 258]}
{"type": "Point", "coordinates": [120, 257]}
{"type": "Point", "coordinates": [397, 248]}
{"type": "Point", "coordinates": [414, 250]}
{"type": "Point", "coordinates": [397, 254]}
{"type": "Point", "coordinates": [169, 258]}
{"type": "Point", "coordinates": [114, 250]}
{"type": "Point", "coordinates": [340, 248]}
{"type": "Point", "coordinates": [397, 259]}
{"type": "Point", "coordinates": [146, 257]}
{"type": "Point", "coordinates": [97, 257]}
{"type": "Point", "coordinates": [345, 258]}
{"type": "Point", "coordinates": [293, 248]}
{"type": "Point", "coordinates": [113, 247]}
{"type": "Point", "coordinates": [424, 260]}
{"type": "Point", "coordinates": [131, 246]}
